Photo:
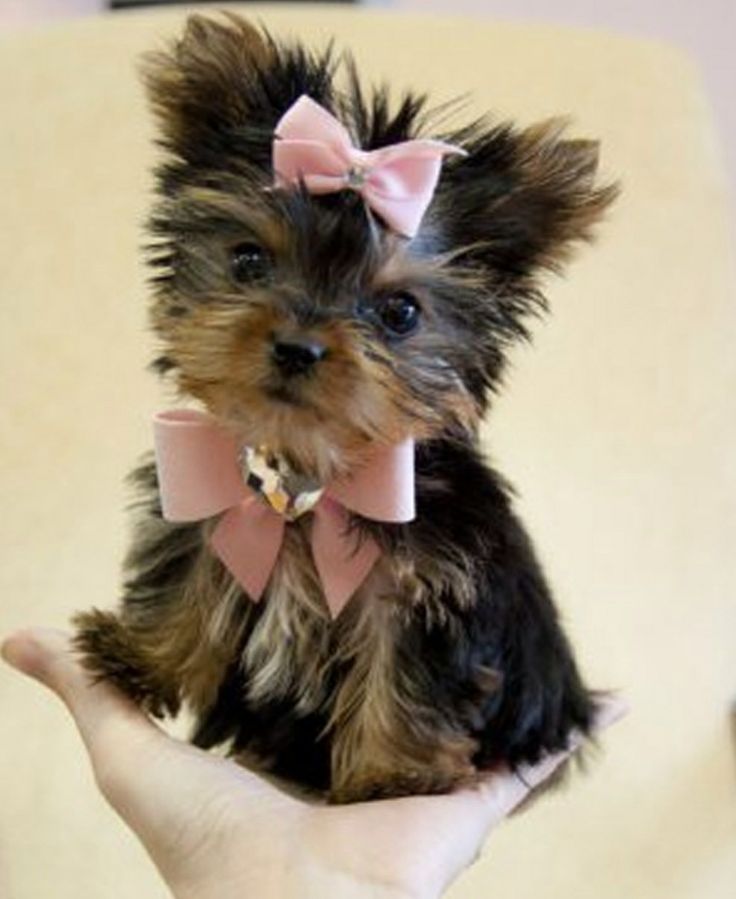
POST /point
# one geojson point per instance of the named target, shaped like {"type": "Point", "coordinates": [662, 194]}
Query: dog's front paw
{"type": "Point", "coordinates": [110, 652]}
{"type": "Point", "coordinates": [367, 786]}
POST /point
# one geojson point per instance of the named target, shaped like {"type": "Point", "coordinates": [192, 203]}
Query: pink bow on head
{"type": "Point", "coordinates": [397, 181]}
{"type": "Point", "coordinates": [199, 477]}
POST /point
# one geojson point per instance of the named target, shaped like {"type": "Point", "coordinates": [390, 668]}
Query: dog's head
{"type": "Point", "coordinates": [303, 321]}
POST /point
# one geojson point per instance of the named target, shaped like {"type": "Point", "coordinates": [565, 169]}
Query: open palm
{"type": "Point", "coordinates": [216, 830]}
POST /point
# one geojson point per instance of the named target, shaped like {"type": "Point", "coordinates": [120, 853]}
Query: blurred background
{"type": "Point", "coordinates": [707, 29]}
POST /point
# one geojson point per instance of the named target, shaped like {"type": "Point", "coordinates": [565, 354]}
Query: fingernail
{"type": "Point", "coordinates": [609, 710]}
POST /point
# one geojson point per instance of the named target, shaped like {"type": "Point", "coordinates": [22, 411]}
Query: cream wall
{"type": "Point", "coordinates": [705, 29]}
{"type": "Point", "coordinates": [617, 428]}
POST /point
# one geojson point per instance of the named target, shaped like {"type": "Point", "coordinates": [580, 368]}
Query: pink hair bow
{"type": "Point", "coordinates": [199, 477]}
{"type": "Point", "coordinates": [397, 182]}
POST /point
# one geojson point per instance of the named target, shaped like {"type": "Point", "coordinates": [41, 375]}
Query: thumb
{"type": "Point", "coordinates": [185, 806]}
{"type": "Point", "coordinates": [110, 725]}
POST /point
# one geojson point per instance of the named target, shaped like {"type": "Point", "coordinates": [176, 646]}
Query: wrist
{"type": "Point", "coordinates": [306, 879]}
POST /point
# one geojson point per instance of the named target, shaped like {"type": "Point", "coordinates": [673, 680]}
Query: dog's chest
{"type": "Point", "coordinates": [295, 650]}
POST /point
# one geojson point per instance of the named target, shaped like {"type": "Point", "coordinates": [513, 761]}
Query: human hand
{"type": "Point", "coordinates": [218, 831]}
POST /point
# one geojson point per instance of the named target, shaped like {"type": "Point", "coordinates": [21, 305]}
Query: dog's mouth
{"type": "Point", "coordinates": [287, 393]}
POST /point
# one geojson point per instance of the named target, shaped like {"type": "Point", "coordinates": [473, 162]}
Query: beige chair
{"type": "Point", "coordinates": [617, 427]}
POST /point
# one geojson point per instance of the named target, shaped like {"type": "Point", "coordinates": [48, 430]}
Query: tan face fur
{"type": "Point", "coordinates": [219, 334]}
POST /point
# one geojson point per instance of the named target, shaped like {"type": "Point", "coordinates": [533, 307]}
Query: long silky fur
{"type": "Point", "coordinates": [450, 659]}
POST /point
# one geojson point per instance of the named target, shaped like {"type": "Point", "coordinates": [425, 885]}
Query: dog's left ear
{"type": "Point", "coordinates": [520, 200]}
{"type": "Point", "coordinates": [219, 90]}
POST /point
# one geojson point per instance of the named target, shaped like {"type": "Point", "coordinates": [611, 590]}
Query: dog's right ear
{"type": "Point", "coordinates": [220, 89]}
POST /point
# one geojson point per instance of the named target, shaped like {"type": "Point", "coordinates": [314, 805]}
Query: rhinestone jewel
{"type": "Point", "coordinates": [270, 475]}
{"type": "Point", "coordinates": [355, 178]}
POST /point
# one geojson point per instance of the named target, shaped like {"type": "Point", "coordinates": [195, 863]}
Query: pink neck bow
{"type": "Point", "coordinates": [397, 182]}
{"type": "Point", "coordinates": [199, 477]}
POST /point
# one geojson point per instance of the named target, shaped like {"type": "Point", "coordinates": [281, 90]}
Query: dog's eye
{"type": "Point", "coordinates": [249, 263]}
{"type": "Point", "coordinates": [399, 313]}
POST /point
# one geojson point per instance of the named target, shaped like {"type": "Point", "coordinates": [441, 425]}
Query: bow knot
{"type": "Point", "coordinates": [397, 181]}
{"type": "Point", "coordinates": [200, 476]}
{"type": "Point", "coordinates": [355, 178]}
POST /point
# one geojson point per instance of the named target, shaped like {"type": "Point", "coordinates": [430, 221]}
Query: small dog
{"type": "Point", "coordinates": [351, 602]}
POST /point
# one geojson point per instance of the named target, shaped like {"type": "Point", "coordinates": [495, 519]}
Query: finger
{"type": "Point", "coordinates": [460, 821]}
{"type": "Point", "coordinates": [110, 725]}
{"type": "Point", "coordinates": [185, 805]}
{"type": "Point", "coordinates": [143, 772]}
{"type": "Point", "coordinates": [126, 749]}
{"type": "Point", "coordinates": [609, 709]}
{"type": "Point", "coordinates": [503, 790]}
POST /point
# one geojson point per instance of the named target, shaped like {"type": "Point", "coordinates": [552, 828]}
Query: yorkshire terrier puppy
{"type": "Point", "coordinates": [324, 567]}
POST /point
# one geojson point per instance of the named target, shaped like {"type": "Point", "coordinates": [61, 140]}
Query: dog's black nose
{"type": "Point", "coordinates": [295, 355]}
